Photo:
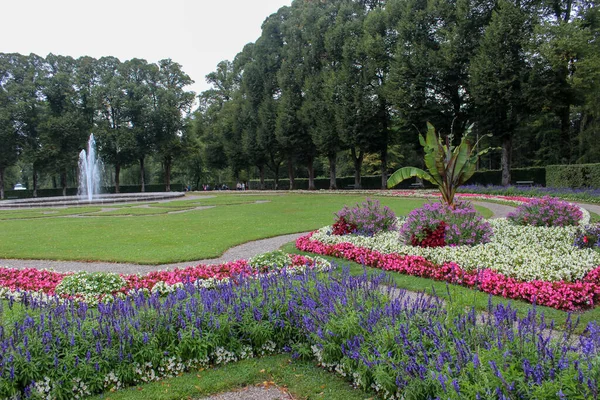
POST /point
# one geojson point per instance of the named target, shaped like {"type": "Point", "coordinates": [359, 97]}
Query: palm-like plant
{"type": "Point", "coordinates": [448, 166]}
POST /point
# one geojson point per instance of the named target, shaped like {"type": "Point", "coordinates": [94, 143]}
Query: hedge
{"type": "Point", "coordinates": [491, 177]}
{"type": "Point", "coordinates": [344, 182]}
{"type": "Point", "coordinates": [573, 176]}
{"type": "Point", "coordinates": [494, 177]}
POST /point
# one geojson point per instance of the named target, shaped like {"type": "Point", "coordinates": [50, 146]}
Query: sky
{"type": "Point", "coordinates": [195, 33]}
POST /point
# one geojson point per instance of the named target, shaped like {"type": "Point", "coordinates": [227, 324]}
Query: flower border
{"type": "Point", "coordinates": [560, 295]}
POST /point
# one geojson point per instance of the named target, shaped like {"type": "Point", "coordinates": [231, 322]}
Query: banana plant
{"type": "Point", "coordinates": [448, 166]}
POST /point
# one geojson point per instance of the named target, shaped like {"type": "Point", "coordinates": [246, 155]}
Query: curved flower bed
{"type": "Point", "coordinates": [14, 282]}
{"type": "Point", "coordinates": [559, 294]}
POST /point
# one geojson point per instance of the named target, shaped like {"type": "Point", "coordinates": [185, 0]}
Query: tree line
{"type": "Point", "coordinates": [49, 106]}
{"type": "Point", "coordinates": [329, 86]}
{"type": "Point", "coordinates": [359, 79]}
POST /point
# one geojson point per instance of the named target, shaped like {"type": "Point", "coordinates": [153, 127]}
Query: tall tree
{"type": "Point", "coordinates": [9, 150]}
{"type": "Point", "coordinates": [499, 74]}
{"type": "Point", "coordinates": [171, 104]}
{"type": "Point", "coordinates": [65, 127]}
{"type": "Point", "coordinates": [115, 138]}
{"type": "Point", "coordinates": [135, 74]}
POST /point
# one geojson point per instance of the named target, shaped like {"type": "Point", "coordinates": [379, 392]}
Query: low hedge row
{"type": "Point", "coordinates": [344, 182]}
{"type": "Point", "coordinates": [573, 176]}
{"type": "Point", "coordinates": [491, 177]}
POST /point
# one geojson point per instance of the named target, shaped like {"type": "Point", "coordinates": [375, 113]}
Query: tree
{"type": "Point", "coordinates": [9, 150]}
{"type": "Point", "coordinates": [499, 77]}
{"type": "Point", "coordinates": [65, 127]}
{"type": "Point", "coordinates": [115, 138]}
{"type": "Point", "coordinates": [135, 74]}
{"type": "Point", "coordinates": [170, 106]}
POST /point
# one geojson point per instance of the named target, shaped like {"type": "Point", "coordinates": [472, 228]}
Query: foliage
{"type": "Point", "coordinates": [368, 218]}
{"type": "Point", "coordinates": [274, 260]}
{"type": "Point", "coordinates": [587, 237]}
{"type": "Point", "coordinates": [345, 323]}
{"type": "Point", "coordinates": [448, 166]}
{"type": "Point", "coordinates": [546, 211]}
{"type": "Point", "coordinates": [579, 176]}
{"type": "Point", "coordinates": [524, 253]}
{"type": "Point", "coordinates": [587, 195]}
{"type": "Point", "coordinates": [461, 225]}
{"type": "Point", "coordinates": [342, 227]}
{"type": "Point", "coordinates": [559, 294]}
{"type": "Point", "coordinates": [90, 285]}
{"type": "Point", "coordinates": [92, 288]}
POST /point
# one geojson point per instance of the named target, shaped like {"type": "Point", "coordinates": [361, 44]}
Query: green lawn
{"type": "Point", "coordinates": [164, 238]}
{"type": "Point", "coordinates": [302, 379]}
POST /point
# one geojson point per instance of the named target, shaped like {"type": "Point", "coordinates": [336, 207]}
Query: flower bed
{"type": "Point", "coordinates": [558, 294]}
{"type": "Point", "coordinates": [95, 287]}
{"type": "Point", "coordinates": [397, 347]}
{"type": "Point", "coordinates": [547, 263]}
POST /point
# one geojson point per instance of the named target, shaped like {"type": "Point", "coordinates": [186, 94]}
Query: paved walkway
{"type": "Point", "coordinates": [245, 250]}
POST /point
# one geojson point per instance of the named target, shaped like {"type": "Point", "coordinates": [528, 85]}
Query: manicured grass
{"type": "Point", "coordinates": [136, 211]}
{"type": "Point", "coordinates": [304, 380]}
{"type": "Point", "coordinates": [594, 218]}
{"type": "Point", "coordinates": [462, 297]}
{"type": "Point", "coordinates": [29, 213]}
{"type": "Point", "coordinates": [165, 238]}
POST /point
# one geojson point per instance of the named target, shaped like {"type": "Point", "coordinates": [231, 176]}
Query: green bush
{"type": "Point", "coordinates": [345, 182]}
{"type": "Point", "coordinates": [573, 176]}
{"type": "Point", "coordinates": [494, 177]}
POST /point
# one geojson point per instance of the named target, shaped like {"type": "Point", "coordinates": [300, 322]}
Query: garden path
{"type": "Point", "coordinates": [245, 250]}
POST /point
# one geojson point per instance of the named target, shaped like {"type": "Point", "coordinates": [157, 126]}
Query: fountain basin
{"type": "Point", "coordinates": [79, 201]}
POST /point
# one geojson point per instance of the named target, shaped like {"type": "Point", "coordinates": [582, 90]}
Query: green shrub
{"type": "Point", "coordinates": [573, 176]}
{"type": "Point", "coordinates": [88, 285]}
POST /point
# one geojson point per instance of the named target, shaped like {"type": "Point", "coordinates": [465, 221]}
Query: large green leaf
{"type": "Point", "coordinates": [406, 173]}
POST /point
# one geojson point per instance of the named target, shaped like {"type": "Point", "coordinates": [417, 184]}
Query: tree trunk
{"type": "Point", "coordinates": [167, 174]}
{"type": "Point", "coordinates": [506, 159]}
{"type": "Point", "coordinates": [2, 183]}
{"type": "Point", "coordinates": [35, 182]}
{"type": "Point", "coordinates": [332, 157]}
{"type": "Point", "coordinates": [261, 174]}
{"type": "Point", "coordinates": [384, 175]}
{"type": "Point", "coordinates": [357, 160]}
{"type": "Point", "coordinates": [142, 173]}
{"type": "Point", "coordinates": [117, 179]}
{"type": "Point", "coordinates": [290, 165]}
{"type": "Point", "coordinates": [34, 178]}
{"type": "Point", "coordinates": [565, 134]}
{"type": "Point", "coordinates": [311, 174]}
{"type": "Point", "coordinates": [63, 182]}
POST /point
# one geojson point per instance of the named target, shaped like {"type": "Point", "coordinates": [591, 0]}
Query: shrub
{"type": "Point", "coordinates": [461, 226]}
{"type": "Point", "coordinates": [89, 286]}
{"type": "Point", "coordinates": [274, 260]}
{"type": "Point", "coordinates": [587, 237]}
{"type": "Point", "coordinates": [546, 211]}
{"type": "Point", "coordinates": [342, 227]}
{"type": "Point", "coordinates": [367, 219]}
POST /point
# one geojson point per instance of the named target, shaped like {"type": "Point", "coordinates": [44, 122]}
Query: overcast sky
{"type": "Point", "coordinates": [195, 33]}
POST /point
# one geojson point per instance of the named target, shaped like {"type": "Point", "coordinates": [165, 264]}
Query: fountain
{"type": "Point", "coordinates": [90, 174]}
{"type": "Point", "coordinates": [90, 171]}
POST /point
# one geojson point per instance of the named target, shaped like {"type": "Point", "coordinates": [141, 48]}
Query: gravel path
{"type": "Point", "coordinates": [498, 210]}
{"type": "Point", "coordinates": [253, 393]}
{"type": "Point", "coordinates": [245, 250]}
